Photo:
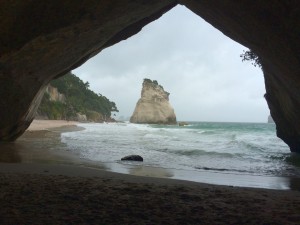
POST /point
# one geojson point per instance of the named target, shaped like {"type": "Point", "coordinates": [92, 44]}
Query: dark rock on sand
{"type": "Point", "coordinates": [133, 158]}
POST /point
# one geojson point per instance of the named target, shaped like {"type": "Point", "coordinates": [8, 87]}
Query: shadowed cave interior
{"type": "Point", "coordinates": [42, 40]}
{"type": "Point", "coordinates": [35, 51]}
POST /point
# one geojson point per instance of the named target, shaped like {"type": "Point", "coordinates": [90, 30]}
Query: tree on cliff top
{"type": "Point", "coordinates": [251, 56]}
{"type": "Point", "coordinates": [147, 80]}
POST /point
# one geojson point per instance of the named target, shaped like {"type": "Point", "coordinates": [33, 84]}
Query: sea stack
{"type": "Point", "coordinates": [153, 107]}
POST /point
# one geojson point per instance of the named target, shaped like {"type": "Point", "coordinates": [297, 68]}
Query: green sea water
{"type": "Point", "coordinates": [226, 148]}
{"type": "Point", "coordinates": [238, 154]}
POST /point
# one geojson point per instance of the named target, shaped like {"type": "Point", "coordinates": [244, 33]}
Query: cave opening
{"type": "Point", "coordinates": [207, 81]}
{"type": "Point", "coordinates": [86, 30]}
{"type": "Point", "coordinates": [66, 174]}
{"type": "Point", "coordinates": [196, 63]}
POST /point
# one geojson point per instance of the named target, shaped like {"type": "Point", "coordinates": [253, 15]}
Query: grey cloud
{"type": "Point", "coordinates": [196, 63]}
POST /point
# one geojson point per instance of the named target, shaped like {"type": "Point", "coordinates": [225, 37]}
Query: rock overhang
{"type": "Point", "coordinates": [41, 40]}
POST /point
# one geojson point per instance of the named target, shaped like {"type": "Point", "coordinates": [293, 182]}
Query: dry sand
{"type": "Point", "coordinates": [32, 193]}
{"type": "Point", "coordinates": [38, 125]}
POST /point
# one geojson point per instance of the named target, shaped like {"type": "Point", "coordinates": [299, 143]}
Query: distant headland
{"type": "Point", "coordinates": [69, 98]}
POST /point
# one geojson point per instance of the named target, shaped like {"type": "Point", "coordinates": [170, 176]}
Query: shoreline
{"type": "Point", "coordinates": [34, 147]}
{"type": "Point", "coordinates": [42, 186]}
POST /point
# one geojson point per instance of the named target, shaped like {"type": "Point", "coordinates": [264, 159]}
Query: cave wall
{"type": "Point", "coordinates": [41, 40]}
{"type": "Point", "coordinates": [272, 30]}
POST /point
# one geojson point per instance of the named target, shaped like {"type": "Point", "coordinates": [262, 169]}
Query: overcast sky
{"type": "Point", "coordinates": [199, 66]}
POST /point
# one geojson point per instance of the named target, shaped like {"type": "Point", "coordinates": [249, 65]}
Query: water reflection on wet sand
{"type": "Point", "coordinates": [46, 147]}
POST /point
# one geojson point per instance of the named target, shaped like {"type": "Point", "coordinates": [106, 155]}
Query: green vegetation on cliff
{"type": "Point", "coordinates": [250, 55]}
{"type": "Point", "coordinates": [147, 80]}
{"type": "Point", "coordinates": [78, 99]}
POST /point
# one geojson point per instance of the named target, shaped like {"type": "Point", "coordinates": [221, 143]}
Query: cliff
{"type": "Point", "coordinates": [153, 106]}
{"type": "Point", "coordinates": [52, 99]}
{"type": "Point", "coordinates": [69, 98]}
{"type": "Point", "coordinates": [54, 94]}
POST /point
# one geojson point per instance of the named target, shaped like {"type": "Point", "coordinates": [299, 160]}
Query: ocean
{"type": "Point", "coordinates": [238, 154]}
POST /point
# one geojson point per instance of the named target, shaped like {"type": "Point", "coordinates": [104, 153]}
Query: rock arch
{"type": "Point", "coordinates": [41, 40]}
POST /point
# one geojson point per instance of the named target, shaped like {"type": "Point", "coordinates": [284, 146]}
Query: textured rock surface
{"type": "Point", "coordinates": [81, 117]}
{"type": "Point", "coordinates": [55, 95]}
{"type": "Point", "coordinates": [41, 40]}
{"type": "Point", "coordinates": [133, 158]}
{"type": "Point", "coordinates": [153, 106]}
{"type": "Point", "coordinates": [273, 32]}
{"type": "Point", "coordinates": [182, 124]}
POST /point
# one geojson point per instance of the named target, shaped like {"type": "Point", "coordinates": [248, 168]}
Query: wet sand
{"type": "Point", "coordinates": [53, 192]}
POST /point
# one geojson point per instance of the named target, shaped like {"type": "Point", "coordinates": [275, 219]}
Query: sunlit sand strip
{"type": "Point", "coordinates": [47, 124]}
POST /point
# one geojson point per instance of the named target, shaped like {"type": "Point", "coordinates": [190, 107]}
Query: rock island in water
{"type": "Point", "coordinates": [153, 107]}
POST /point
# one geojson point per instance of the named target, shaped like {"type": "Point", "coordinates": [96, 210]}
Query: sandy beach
{"type": "Point", "coordinates": [55, 192]}
{"type": "Point", "coordinates": [39, 125]}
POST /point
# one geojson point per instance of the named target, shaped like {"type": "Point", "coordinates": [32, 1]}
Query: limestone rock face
{"type": "Point", "coordinates": [153, 107]}
{"type": "Point", "coordinates": [55, 95]}
{"type": "Point", "coordinates": [41, 40]}
{"type": "Point", "coordinates": [81, 117]}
